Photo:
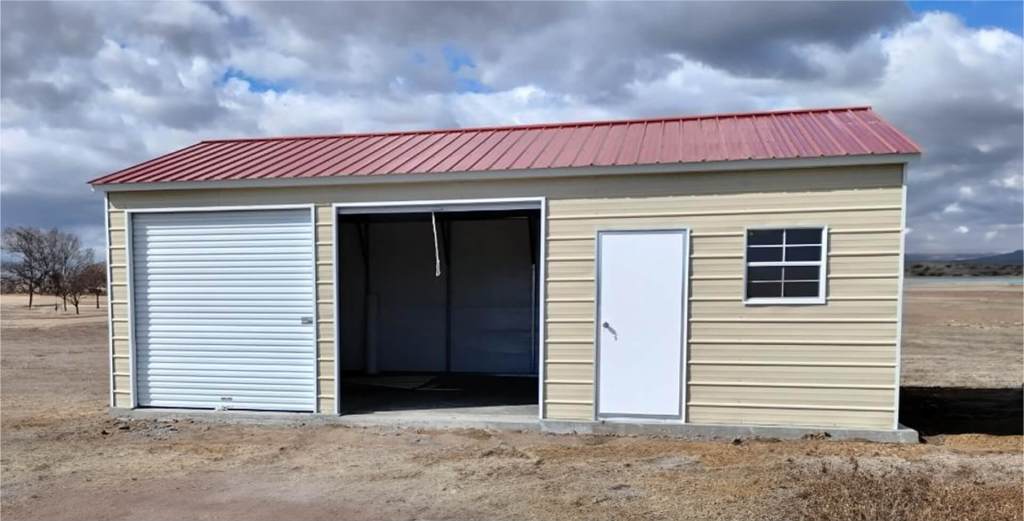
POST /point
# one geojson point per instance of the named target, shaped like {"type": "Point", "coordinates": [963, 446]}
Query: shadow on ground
{"type": "Point", "coordinates": [952, 410]}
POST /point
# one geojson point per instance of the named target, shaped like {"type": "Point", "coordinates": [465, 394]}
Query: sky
{"type": "Point", "coordinates": [89, 88]}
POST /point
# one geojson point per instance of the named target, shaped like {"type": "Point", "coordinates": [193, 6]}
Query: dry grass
{"type": "Point", "coordinates": [63, 457]}
{"type": "Point", "coordinates": [899, 495]}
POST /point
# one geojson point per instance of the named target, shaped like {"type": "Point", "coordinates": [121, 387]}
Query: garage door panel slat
{"type": "Point", "coordinates": [220, 301]}
{"type": "Point", "coordinates": [227, 374]}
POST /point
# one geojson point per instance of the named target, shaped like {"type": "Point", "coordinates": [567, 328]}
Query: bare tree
{"type": "Point", "coordinates": [28, 265]}
{"type": "Point", "coordinates": [94, 279]}
{"type": "Point", "coordinates": [68, 263]}
{"type": "Point", "coordinates": [77, 277]}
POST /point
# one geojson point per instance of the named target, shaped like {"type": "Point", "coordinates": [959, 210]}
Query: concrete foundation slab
{"type": "Point", "coordinates": [523, 418]}
{"type": "Point", "coordinates": [720, 432]}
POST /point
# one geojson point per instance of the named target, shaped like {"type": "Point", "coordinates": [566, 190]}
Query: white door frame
{"type": "Point", "coordinates": [445, 205]}
{"type": "Point", "coordinates": [130, 268]}
{"type": "Point", "coordinates": [684, 330]}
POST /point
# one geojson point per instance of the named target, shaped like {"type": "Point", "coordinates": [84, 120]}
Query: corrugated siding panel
{"type": "Point", "coordinates": [219, 301]}
{"type": "Point", "coordinates": [791, 395]}
{"type": "Point", "coordinates": [796, 353]}
{"type": "Point", "coordinates": [782, 416]}
{"type": "Point", "coordinates": [857, 187]}
{"type": "Point", "coordinates": [324, 235]}
{"type": "Point", "coordinates": [120, 365]}
{"type": "Point", "coordinates": [751, 345]}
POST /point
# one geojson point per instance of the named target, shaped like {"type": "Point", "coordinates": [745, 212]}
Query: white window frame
{"type": "Point", "coordinates": [822, 264]}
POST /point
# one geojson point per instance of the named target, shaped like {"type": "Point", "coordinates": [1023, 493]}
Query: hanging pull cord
{"type": "Point", "coordinates": [437, 253]}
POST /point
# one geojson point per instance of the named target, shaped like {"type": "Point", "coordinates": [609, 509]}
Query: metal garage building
{"type": "Point", "coordinates": [734, 269]}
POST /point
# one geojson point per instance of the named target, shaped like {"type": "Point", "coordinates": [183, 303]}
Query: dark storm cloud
{"type": "Point", "coordinates": [89, 88]}
{"type": "Point", "coordinates": [35, 35]}
{"type": "Point", "coordinates": [594, 50]}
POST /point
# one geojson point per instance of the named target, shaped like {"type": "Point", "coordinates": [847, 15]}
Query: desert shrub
{"type": "Point", "coordinates": [857, 495]}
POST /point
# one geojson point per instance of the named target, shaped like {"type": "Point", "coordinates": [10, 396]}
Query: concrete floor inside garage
{"type": "Point", "coordinates": [442, 400]}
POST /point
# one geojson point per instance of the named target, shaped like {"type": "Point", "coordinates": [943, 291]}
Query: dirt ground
{"type": "Point", "coordinates": [63, 457]}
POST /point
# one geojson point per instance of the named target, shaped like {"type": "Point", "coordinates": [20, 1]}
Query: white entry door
{"type": "Point", "coordinates": [224, 309]}
{"type": "Point", "coordinates": [641, 311]}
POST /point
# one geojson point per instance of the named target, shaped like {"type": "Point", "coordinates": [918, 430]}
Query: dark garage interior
{"type": "Point", "coordinates": [438, 310]}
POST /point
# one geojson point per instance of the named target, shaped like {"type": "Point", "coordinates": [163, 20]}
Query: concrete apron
{"type": "Point", "coordinates": [455, 419]}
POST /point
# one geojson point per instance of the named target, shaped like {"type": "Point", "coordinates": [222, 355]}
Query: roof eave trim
{"type": "Point", "coordinates": [538, 173]}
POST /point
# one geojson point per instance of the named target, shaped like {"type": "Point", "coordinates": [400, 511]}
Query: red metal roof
{"type": "Point", "coordinates": [793, 134]}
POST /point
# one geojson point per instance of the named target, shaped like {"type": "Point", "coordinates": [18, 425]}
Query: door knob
{"type": "Point", "coordinates": [610, 329]}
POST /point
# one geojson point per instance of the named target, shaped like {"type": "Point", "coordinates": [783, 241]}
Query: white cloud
{"type": "Point", "coordinates": [90, 88]}
{"type": "Point", "coordinates": [1010, 181]}
{"type": "Point", "coordinates": [962, 229]}
{"type": "Point", "coordinates": [953, 208]}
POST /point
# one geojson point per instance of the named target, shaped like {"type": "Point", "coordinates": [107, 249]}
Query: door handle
{"type": "Point", "coordinates": [611, 330]}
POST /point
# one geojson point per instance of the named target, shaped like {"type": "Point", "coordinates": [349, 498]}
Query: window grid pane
{"type": "Point", "coordinates": [784, 263]}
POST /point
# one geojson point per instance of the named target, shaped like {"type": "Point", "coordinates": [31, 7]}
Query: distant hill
{"type": "Point", "coordinates": [1014, 258]}
{"type": "Point", "coordinates": [1000, 265]}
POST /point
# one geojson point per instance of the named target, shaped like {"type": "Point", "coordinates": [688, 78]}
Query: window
{"type": "Point", "coordinates": [786, 266]}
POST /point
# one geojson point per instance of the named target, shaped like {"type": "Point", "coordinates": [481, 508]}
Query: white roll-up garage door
{"type": "Point", "coordinates": [224, 307]}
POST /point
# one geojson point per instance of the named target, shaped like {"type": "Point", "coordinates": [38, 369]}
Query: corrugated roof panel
{"type": "Point", "coordinates": [752, 138]}
{"type": "Point", "coordinates": [169, 164]}
{"type": "Point", "coordinates": [480, 149]}
{"type": "Point", "coordinates": [559, 139]}
{"type": "Point", "coordinates": [350, 161]}
{"type": "Point", "coordinates": [770, 137]}
{"type": "Point", "coordinates": [650, 144]}
{"type": "Point", "coordinates": [244, 169]}
{"type": "Point", "coordinates": [611, 147]}
{"type": "Point", "coordinates": [162, 161]}
{"type": "Point", "coordinates": [430, 152]}
{"type": "Point", "coordinates": [379, 160]}
{"type": "Point", "coordinates": [670, 146]}
{"type": "Point", "coordinates": [533, 151]}
{"type": "Point", "coordinates": [886, 131]}
{"type": "Point", "coordinates": [567, 156]}
{"type": "Point", "coordinates": [822, 140]}
{"type": "Point", "coordinates": [803, 144]}
{"type": "Point", "coordinates": [331, 157]}
{"type": "Point", "coordinates": [297, 160]}
{"type": "Point", "coordinates": [593, 146]}
{"type": "Point", "coordinates": [690, 148]}
{"type": "Point", "coordinates": [523, 141]}
{"type": "Point", "coordinates": [450, 153]}
{"type": "Point", "coordinates": [201, 168]}
{"type": "Point", "coordinates": [287, 161]}
{"type": "Point", "coordinates": [848, 131]}
{"type": "Point", "coordinates": [710, 138]}
{"type": "Point", "coordinates": [372, 157]}
{"type": "Point", "coordinates": [417, 150]}
{"type": "Point", "coordinates": [460, 149]}
{"type": "Point", "coordinates": [731, 139]}
{"type": "Point", "coordinates": [631, 141]}
{"type": "Point", "coordinates": [871, 141]}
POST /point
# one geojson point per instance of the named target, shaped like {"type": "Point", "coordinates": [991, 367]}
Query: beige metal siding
{"type": "Point", "coordinates": [752, 364]}
{"type": "Point", "coordinates": [118, 301]}
{"type": "Point", "coordinates": [325, 308]}
{"type": "Point", "coordinates": [737, 352]}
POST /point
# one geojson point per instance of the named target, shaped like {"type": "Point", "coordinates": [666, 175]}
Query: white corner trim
{"type": "Point", "coordinates": [110, 296]}
{"type": "Point", "coordinates": [708, 166]}
{"type": "Point", "coordinates": [899, 307]}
